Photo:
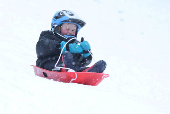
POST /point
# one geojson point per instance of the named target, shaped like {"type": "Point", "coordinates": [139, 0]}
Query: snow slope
{"type": "Point", "coordinates": [133, 38]}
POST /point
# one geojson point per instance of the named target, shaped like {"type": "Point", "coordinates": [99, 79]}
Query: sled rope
{"type": "Point", "coordinates": [61, 54]}
{"type": "Point", "coordinates": [74, 78]}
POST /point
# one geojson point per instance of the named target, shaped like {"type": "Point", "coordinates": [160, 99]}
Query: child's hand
{"type": "Point", "coordinates": [75, 48]}
{"type": "Point", "coordinates": [85, 45]}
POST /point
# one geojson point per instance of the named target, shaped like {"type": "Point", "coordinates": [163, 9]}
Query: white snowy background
{"type": "Point", "coordinates": [133, 37]}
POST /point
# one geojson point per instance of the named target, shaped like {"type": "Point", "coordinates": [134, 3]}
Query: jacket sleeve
{"type": "Point", "coordinates": [47, 47]}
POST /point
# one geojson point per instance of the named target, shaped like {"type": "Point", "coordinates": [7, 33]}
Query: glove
{"type": "Point", "coordinates": [85, 45]}
{"type": "Point", "coordinates": [62, 45]}
{"type": "Point", "coordinates": [75, 48]}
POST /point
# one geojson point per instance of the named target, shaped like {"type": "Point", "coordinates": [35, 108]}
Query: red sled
{"type": "Point", "coordinates": [86, 78]}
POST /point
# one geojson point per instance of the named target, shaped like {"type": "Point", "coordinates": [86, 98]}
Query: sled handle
{"type": "Point", "coordinates": [45, 74]}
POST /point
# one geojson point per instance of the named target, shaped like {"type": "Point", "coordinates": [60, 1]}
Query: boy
{"type": "Point", "coordinates": [60, 48]}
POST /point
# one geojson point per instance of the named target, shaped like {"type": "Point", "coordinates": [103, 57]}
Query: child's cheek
{"type": "Point", "coordinates": [64, 32]}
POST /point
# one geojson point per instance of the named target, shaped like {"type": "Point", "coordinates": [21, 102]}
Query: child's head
{"type": "Point", "coordinates": [66, 23]}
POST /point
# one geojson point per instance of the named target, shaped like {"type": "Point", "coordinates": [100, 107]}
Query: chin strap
{"type": "Point", "coordinates": [55, 31]}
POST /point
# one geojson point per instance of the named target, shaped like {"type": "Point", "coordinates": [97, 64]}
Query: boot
{"type": "Point", "coordinates": [98, 67]}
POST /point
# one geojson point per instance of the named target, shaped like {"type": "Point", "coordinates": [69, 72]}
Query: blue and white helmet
{"type": "Point", "coordinates": [66, 16]}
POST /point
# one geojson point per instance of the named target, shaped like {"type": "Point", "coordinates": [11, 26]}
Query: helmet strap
{"type": "Point", "coordinates": [76, 32]}
{"type": "Point", "coordinates": [56, 29]}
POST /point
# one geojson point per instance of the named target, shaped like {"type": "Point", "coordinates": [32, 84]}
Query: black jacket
{"type": "Point", "coordinates": [47, 49]}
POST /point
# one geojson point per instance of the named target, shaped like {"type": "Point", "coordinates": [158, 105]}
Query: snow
{"type": "Point", "coordinates": [131, 36]}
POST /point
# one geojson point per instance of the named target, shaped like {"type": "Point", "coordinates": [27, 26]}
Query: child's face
{"type": "Point", "coordinates": [68, 29]}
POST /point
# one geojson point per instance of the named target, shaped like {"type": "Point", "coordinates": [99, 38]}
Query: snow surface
{"type": "Point", "coordinates": [133, 37]}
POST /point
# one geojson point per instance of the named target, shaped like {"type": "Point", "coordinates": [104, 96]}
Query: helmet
{"type": "Point", "coordinates": [66, 16]}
